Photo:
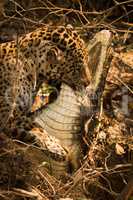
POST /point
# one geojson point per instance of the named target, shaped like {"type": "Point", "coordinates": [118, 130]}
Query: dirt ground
{"type": "Point", "coordinates": [106, 170]}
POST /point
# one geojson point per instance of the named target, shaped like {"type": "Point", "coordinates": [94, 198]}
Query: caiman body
{"type": "Point", "coordinates": [63, 119]}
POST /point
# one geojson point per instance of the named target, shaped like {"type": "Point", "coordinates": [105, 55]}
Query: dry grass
{"type": "Point", "coordinates": [108, 163]}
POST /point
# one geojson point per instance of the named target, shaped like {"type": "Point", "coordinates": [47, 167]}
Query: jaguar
{"type": "Point", "coordinates": [48, 53]}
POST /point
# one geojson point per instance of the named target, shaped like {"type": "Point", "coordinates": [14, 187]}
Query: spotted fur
{"type": "Point", "coordinates": [48, 53]}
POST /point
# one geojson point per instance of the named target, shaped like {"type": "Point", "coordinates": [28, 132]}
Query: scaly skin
{"type": "Point", "coordinates": [63, 119]}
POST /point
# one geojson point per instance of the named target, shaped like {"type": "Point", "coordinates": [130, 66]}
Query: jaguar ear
{"type": "Point", "coordinates": [98, 51]}
{"type": "Point", "coordinates": [54, 55]}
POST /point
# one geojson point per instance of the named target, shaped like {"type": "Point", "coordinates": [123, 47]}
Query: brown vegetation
{"type": "Point", "coordinates": [106, 171]}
